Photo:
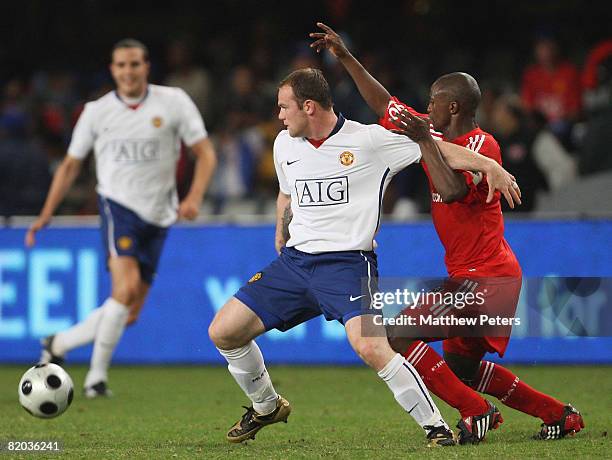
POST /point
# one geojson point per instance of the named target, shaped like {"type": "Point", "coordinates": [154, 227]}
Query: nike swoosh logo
{"type": "Point", "coordinates": [352, 299]}
{"type": "Point", "coordinates": [413, 407]}
{"type": "Point", "coordinates": [289, 163]}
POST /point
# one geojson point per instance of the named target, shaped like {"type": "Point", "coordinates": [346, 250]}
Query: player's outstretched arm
{"type": "Point", "coordinates": [498, 178]}
{"type": "Point", "coordinates": [63, 178]}
{"type": "Point", "coordinates": [458, 157]}
{"type": "Point", "coordinates": [206, 162]}
{"type": "Point", "coordinates": [375, 94]}
{"type": "Point", "coordinates": [283, 219]}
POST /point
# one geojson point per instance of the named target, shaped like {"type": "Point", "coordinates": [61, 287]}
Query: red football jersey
{"type": "Point", "coordinates": [471, 230]}
{"type": "Point", "coordinates": [394, 107]}
{"type": "Point", "coordinates": [557, 94]}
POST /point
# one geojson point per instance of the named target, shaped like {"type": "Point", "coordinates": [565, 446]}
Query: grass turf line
{"type": "Point", "coordinates": [184, 412]}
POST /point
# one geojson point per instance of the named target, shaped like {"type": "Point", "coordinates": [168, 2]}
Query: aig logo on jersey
{"type": "Point", "coordinates": [322, 192]}
{"type": "Point", "coordinates": [347, 158]}
{"type": "Point", "coordinates": [133, 150]}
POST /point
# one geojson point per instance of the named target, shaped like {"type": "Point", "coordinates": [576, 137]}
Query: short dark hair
{"type": "Point", "coordinates": [463, 88]}
{"type": "Point", "coordinates": [131, 43]}
{"type": "Point", "coordinates": [307, 84]}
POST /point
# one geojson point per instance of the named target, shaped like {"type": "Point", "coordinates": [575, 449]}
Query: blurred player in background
{"type": "Point", "coordinates": [471, 230]}
{"type": "Point", "coordinates": [332, 175]}
{"type": "Point", "coordinates": [135, 133]}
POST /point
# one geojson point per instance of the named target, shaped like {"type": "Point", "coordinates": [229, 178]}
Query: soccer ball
{"type": "Point", "coordinates": [45, 390]}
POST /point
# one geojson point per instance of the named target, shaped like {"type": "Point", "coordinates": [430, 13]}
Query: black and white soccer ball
{"type": "Point", "coordinates": [46, 390]}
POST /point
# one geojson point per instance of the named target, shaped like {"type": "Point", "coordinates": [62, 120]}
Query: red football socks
{"type": "Point", "coordinates": [498, 381]}
{"type": "Point", "coordinates": [442, 382]}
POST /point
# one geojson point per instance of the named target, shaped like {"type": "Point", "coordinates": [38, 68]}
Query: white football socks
{"type": "Point", "coordinates": [247, 366]}
{"type": "Point", "coordinates": [78, 335]}
{"type": "Point", "coordinates": [110, 329]}
{"type": "Point", "coordinates": [410, 392]}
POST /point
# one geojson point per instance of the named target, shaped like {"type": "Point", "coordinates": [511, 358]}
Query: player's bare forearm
{"type": "Point", "coordinates": [498, 178]}
{"type": "Point", "coordinates": [458, 157]}
{"type": "Point", "coordinates": [375, 94]}
{"type": "Point", "coordinates": [283, 219]}
{"type": "Point", "coordinates": [63, 178]}
{"type": "Point", "coordinates": [206, 162]}
{"type": "Point", "coordinates": [286, 220]}
{"type": "Point", "coordinates": [449, 183]}
{"type": "Point", "coordinates": [205, 165]}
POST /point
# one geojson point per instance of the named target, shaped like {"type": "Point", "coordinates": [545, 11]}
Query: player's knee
{"type": "Point", "coordinates": [368, 350]}
{"type": "Point", "coordinates": [222, 336]}
{"type": "Point", "coordinates": [126, 293]}
{"type": "Point", "coordinates": [215, 333]}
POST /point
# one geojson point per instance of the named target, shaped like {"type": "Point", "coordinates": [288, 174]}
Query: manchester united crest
{"type": "Point", "coordinates": [347, 158]}
{"type": "Point", "coordinates": [124, 242]}
{"type": "Point", "coordinates": [157, 122]}
{"type": "Point", "coordinates": [255, 277]}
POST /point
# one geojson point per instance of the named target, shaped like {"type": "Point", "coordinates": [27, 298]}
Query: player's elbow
{"type": "Point", "coordinates": [449, 197]}
{"type": "Point", "coordinates": [454, 192]}
{"type": "Point", "coordinates": [380, 107]}
{"type": "Point", "coordinates": [205, 151]}
{"type": "Point", "coordinates": [70, 167]}
{"type": "Point", "coordinates": [210, 158]}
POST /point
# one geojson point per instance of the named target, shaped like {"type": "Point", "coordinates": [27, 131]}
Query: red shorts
{"type": "Point", "coordinates": [492, 312]}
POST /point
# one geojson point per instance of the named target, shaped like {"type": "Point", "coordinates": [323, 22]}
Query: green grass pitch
{"type": "Point", "coordinates": [184, 412]}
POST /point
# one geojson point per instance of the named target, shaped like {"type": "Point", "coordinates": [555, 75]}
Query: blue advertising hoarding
{"type": "Point", "coordinates": [57, 283]}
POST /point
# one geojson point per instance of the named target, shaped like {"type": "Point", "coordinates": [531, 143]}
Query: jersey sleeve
{"type": "Point", "coordinates": [476, 182]}
{"type": "Point", "coordinates": [191, 127]}
{"type": "Point", "coordinates": [394, 150]}
{"type": "Point", "coordinates": [83, 135]}
{"type": "Point", "coordinates": [394, 108]}
{"type": "Point", "coordinates": [282, 179]}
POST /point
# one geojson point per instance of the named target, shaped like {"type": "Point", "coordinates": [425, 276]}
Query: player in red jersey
{"type": "Point", "coordinates": [470, 226]}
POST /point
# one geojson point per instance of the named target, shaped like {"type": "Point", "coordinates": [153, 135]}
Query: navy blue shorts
{"type": "Point", "coordinates": [298, 286]}
{"type": "Point", "coordinates": [124, 233]}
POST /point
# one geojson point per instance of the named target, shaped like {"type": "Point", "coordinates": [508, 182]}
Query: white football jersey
{"type": "Point", "coordinates": [137, 149]}
{"type": "Point", "coordinates": [337, 189]}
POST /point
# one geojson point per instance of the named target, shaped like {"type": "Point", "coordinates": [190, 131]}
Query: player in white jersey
{"type": "Point", "coordinates": [332, 175]}
{"type": "Point", "coordinates": [135, 133]}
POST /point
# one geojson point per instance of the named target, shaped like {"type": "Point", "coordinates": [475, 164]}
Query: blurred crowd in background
{"type": "Point", "coordinates": [548, 104]}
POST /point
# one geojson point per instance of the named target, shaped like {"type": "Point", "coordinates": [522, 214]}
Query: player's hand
{"type": "Point", "coordinates": [328, 40]}
{"type": "Point", "coordinates": [189, 208]}
{"type": "Point", "coordinates": [500, 179]}
{"type": "Point", "coordinates": [38, 224]}
{"type": "Point", "coordinates": [279, 243]}
{"type": "Point", "coordinates": [416, 128]}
